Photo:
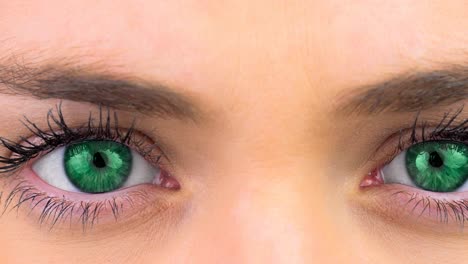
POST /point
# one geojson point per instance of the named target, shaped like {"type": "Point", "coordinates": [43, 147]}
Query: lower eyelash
{"type": "Point", "coordinates": [54, 210]}
{"type": "Point", "coordinates": [443, 207]}
{"type": "Point", "coordinates": [443, 210]}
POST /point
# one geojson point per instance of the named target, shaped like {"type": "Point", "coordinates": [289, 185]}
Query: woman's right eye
{"type": "Point", "coordinates": [436, 166]}
{"type": "Point", "coordinates": [95, 166]}
{"type": "Point", "coordinates": [97, 172]}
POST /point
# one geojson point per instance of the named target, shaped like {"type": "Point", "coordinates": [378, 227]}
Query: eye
{"type": "Point", "coordinates": [437, 166]}
{"type": "Point", "coordinates": [94, 167]}
{"type": "Point", "coordinates": [92, 175]}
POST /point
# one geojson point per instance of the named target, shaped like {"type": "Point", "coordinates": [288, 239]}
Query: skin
{"type": "Point", "coordinates": [271, 172]}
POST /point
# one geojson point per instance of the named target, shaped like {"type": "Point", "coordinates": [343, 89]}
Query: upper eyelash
{"type": "Point", "coordinates": [444, 130]}
{"type": "Point", "coordinates": [419, 132]}
{"type": "Point", "coordinates": [106, 129]}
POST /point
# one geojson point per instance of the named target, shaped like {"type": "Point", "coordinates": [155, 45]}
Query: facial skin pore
{"type": "Point", "coordinates": [271, 112]}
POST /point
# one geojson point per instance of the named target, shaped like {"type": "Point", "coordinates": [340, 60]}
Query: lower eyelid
{"type": "Point", "coordinates": [52, 207]}
{"type": "Point", "coordinates": [419, 209]}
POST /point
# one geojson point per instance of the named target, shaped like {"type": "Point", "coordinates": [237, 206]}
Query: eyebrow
{"type": "Point", "coordinates": [95, 86]}
{"type": "Point", "coordinates": [410, 92]}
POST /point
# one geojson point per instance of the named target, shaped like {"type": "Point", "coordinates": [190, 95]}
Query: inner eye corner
{"type": "Point", "coordinates": [372, 178]}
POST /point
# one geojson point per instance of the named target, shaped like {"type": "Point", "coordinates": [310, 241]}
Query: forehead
{"type": "Point", "coordinates": [213, 47]}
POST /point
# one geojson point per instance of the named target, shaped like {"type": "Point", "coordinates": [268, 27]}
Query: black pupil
{"type": "Point", "coordinates": [98, 160]}
{"type": "Point", "coordinates": [435, 160]}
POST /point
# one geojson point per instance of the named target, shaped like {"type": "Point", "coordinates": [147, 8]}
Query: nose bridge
{"type": "Point", "coordinates": [266, 202]}
{"type": "Point", "coordinates": [268, 220]}
{"type": "Point", "coordinates": [271, 228]}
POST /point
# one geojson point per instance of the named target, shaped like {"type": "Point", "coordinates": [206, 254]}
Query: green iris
{"type": "Point", "coordinates": [439, 166]}
{"type": "Point", "coordinates": [98, 166]}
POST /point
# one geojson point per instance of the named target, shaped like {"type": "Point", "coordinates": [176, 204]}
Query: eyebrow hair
{"type": "Point", "coordinates": [81, 84]}
{"type": "Point", "coordinates": [411, 92]}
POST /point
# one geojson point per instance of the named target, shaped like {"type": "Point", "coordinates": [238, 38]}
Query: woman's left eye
{"type": "Point", "coordinates": [95, 166]}
{"type": "Point", "coordinates": [436, 166]}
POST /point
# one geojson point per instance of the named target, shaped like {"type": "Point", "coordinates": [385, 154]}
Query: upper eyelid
{"type": "Point", "coordinates": [423, 129]}
{"type": "Point", "coordinates": [401, 140]}
{"type": "Point", "coordinates": [107, 128]}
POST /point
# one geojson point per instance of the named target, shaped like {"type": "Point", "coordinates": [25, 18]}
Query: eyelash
{"type": "Point", "coordinates": [445, 129]}
{"type": "Point", "coordinates": [64, 135]}
{"type": "Point", "coordinates": [444, 209]}
{"type": "Point", "coordinates": [56, 209]}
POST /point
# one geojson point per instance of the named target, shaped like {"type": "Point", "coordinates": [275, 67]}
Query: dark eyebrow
{"type": "Point", "coordinates": [410, 92]}
{"type": "Point", "coordinates": [95, 86]}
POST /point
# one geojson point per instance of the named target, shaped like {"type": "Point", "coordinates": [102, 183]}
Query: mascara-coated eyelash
{"type": "Point", "coordinates": [106, 129]}
{"type": "Point", "coordinates": [446, 129]}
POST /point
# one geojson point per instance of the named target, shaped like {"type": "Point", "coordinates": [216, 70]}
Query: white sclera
{"type": "Point", "coordinates": [50, 168]}
{"type": "Point", "coordinates": [396, 172]}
